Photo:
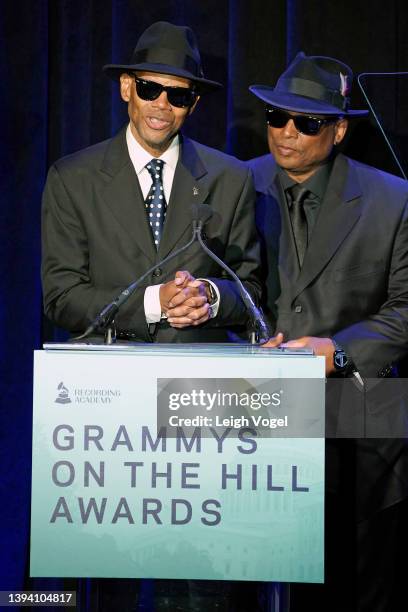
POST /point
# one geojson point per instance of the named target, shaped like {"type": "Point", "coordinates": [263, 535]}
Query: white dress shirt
{"type": "Point", "coordinates": [140, 158]}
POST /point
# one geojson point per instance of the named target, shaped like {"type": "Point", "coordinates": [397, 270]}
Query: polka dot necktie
{"type": "Point", "coordinates": [155, 201]}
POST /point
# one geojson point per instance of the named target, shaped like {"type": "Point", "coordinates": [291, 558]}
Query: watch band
{"type": "Point", "coordinates": [341, 361]}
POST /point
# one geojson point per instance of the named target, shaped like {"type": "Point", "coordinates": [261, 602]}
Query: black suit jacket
{"type": "Point", "coordinates": [97, 240]}
{"type": "Point", "coordinates": [353, 287]}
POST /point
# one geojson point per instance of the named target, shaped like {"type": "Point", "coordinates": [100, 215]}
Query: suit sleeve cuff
{"type": "Point", "coordinates": [152, 305]}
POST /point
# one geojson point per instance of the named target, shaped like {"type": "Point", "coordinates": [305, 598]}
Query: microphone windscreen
{"type": "Point", "coordinates": [201, 212]}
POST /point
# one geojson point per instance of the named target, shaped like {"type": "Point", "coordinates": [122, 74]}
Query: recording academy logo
{"type": "Point", "coordinates": [86, 395]}
{"type": "Point", "coordinates": [63, 395]}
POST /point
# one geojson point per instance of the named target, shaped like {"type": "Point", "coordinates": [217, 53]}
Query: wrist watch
{"type": "Point", "coordinates": [341, 361]}
{"type": "Point", "coordinates": [211, 293]}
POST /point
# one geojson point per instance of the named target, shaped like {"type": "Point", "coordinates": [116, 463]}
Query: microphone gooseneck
{"type": "Point", "coordinates": [107, 314]}
{"type": "Point", "coordinates": [201, 213]}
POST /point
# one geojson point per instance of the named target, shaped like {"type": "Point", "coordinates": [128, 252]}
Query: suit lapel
{"type": "Point", "coordinates": [188, 188]}
{"type": "Point", "coordinates": [340, 212]}
{"type": "Point", "coordinates": [269, 184]}
{"type": "Point", "coordinates": [123, 195]}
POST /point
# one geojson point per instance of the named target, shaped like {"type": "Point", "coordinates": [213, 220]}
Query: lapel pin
{"type": "Point", "coordinates": [195, 191]}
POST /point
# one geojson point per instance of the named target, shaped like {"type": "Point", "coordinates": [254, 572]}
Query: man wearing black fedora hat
{"type": "Point", "coordinates": [334, 238]}
{"type": "Point", "coordinates": [112, 211]}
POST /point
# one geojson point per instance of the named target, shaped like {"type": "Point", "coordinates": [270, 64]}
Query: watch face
{"type": "Point", "coordinates": [340, 360]}
{"type": "Point", "coordinates": [212, 294]}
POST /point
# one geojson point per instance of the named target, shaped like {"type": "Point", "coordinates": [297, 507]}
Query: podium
{"type": "Point", "coordinates": [172, 461]}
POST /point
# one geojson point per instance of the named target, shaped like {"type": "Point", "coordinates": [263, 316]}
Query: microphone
{"type": "Point", "coordinates": [201, 214]}
{"type": "Point", "coordinates": [108, 312]}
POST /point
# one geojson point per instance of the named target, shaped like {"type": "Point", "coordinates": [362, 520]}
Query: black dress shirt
{"type": "Point", "coordinates": [316, 186]}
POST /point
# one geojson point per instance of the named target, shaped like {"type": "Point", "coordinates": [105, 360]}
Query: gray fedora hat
{"type": "Point", "coordinates": [168, 49]}
{"type": "Point", "coordinates": [312, 84]}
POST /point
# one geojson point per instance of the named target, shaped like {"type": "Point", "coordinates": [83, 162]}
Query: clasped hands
{"type": "Point", "coordinates": [321, 346]}
{"type": "Point", "coordinates": [184, 301]}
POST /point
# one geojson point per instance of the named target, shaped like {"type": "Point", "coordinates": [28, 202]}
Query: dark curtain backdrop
{"type": "Point", "coordinates": [55, 100]}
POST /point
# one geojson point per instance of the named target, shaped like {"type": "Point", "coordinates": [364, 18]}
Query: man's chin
{"type": "Point", "coordinates": [286, 165]}
{"type": "Point", "coordinates": [160, 143]}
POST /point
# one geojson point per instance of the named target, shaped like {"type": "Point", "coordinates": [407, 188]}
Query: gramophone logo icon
{"type": "Point", "coordinates": [63, 395]}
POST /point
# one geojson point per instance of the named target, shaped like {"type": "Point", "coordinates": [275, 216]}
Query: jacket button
{"type": "Point", "coordinates": [157, 272]}
{"type": "Point", "coordinates": [298, 308]}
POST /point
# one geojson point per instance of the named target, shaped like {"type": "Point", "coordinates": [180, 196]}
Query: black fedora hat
{"type": "Point", "coordinates": [168, 49]}
{"type": "Point", "coordinates": [312, 84]}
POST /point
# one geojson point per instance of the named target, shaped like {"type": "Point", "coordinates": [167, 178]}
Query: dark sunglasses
{"type": "Point", "coordinates": [310, 126]}
{"type": "Point", "coordinates": [177, 96]}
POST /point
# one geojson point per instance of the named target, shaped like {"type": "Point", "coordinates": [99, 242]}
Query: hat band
{"type": "Point", "coordinates": [168, 57]}
{"type": "Point", "coordinates": [311, 89]}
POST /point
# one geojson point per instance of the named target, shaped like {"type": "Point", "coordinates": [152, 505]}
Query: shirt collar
{"type": "Point", "coordinates": [140, 157]}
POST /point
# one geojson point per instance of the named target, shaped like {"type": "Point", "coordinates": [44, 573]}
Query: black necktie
{"type": "Point", "coordinates": [156, 201]}
{"type": "Point", "coordinates": [298, 218]}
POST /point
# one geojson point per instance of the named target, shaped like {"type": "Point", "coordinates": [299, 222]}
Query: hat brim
{"type": "Point", "coordinates": [114, 71]}
{"type": "Point", "coordinates": [300, 104]}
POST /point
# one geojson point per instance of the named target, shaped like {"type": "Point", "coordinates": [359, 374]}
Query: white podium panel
{"type": "Point", "coordinates": [198, 462]}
